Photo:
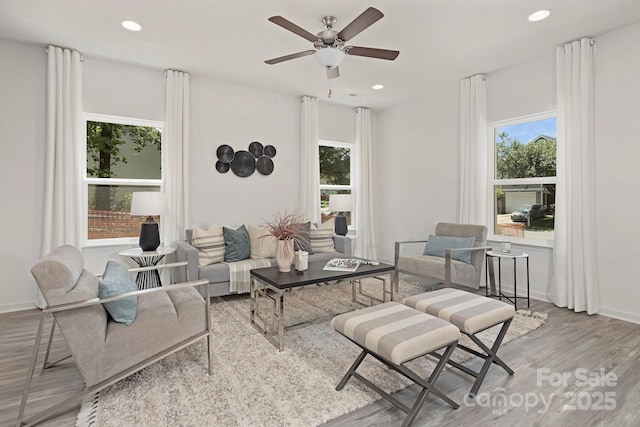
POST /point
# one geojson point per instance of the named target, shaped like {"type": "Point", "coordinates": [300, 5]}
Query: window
{"type": "Point", "coordinates": [336, 175]}
{"type": "Point", "coordinates": [123, 155]}
{"type": "Point", "coordinates": [523, 181]}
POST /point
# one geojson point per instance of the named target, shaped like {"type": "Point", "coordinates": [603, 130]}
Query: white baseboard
{"type": "Point", "coordinates": [620, 315]}
{"type": "Point", "coordinates": [20, 306]}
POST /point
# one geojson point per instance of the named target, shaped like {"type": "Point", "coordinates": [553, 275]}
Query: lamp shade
{"type": "Point", "coordinates": [149, 203]}
{"type": "Point", "coordinates": [340, 203]}
{"type": "Point", "coordinates": [329, 57]}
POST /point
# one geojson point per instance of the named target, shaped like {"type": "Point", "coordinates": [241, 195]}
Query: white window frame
{"type": "Point", "coordinates": [86, 180]}
{"type": "Point", "coordinates": [491, 205]}
{"type": "Point", "coordinates": [352, 171]}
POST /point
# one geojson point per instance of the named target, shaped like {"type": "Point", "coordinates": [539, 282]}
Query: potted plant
{"type": "Point", "coordinates": [286, 229]}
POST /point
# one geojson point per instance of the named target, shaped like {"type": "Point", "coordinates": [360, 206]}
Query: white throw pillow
{"type": "Point", "coordinates": [263, 244]}
{"type": "Point", "coordinates": [210, 244]}
{"type": "Point", "coordinates": [322, 237]}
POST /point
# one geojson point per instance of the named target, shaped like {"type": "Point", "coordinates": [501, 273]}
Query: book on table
{"type": "Point", "coordinates": [342, 264]}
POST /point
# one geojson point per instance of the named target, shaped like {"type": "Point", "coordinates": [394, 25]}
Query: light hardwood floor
{"type": "Point", "coordinates": [568, 344]}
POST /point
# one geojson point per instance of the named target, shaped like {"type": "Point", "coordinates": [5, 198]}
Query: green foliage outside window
{"type": "Point", "coordinates": [530, 160]}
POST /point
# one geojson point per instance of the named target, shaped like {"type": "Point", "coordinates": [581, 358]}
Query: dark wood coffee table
{"type": "Point", "coordinates": [274, 284]}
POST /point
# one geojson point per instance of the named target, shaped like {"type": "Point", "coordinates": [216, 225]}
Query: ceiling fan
{"type": "Point", "coordinates": [330, 44]}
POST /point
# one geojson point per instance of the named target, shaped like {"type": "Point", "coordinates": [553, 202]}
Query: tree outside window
{"type": "Point", "coordinates": [336, 165]}
{"type": "Point", "coordinates": [122, 156]}
{"type": "Point", "coordinates": [524, 179]}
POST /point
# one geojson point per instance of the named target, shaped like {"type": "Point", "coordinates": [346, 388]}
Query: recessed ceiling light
{"type": "Point", "coordinates": [131, 25]}
{"type": "Point", "coordinates": [377, 87]}
{"type": "Point", "coordinates": [539, 15]}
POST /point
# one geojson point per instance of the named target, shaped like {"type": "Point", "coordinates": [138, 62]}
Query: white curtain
{"type": "Point", "coordinates": [175, 145]}
{"type": "Point", "coordinates": [62, 213]}
{"type": "Point", "coordinates": [575, 277]}
{"type": "Point", "coordinates": [473, 151]}
{"type": "Point", "coordinates": [365, 244]}
{"type": "Point", "coordinates": [309, 199]}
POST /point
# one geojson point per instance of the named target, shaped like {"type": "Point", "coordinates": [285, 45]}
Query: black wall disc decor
{"type": "Point", "coordinates": [244, 163]}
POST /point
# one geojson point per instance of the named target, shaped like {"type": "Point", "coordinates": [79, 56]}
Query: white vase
{"type": "Point", "coordinates": [284, 255]}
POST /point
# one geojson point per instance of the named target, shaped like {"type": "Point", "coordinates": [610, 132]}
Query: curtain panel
{"type": "Point", "coordinates": [175, 141]}
{"type": "Point", "coordinates": [473, 179]}
{"type": "Point", "coordinates": [309, 197]}
{"type": "Point", "coordinates": [62, 213]}
{"type": "Point", "coordinates": [62, 221]}
{"type": "Point", "coordinates": [575, 275]}
{"type": "Point", "coordinates": [365, 244]}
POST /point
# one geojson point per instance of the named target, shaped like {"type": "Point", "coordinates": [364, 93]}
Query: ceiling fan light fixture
{"type": "Point", "coordinates": [329, 57]}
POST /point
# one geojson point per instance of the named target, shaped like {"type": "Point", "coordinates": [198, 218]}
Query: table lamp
{"type": "Point", "coordinates": [149, 203]}
{"type": "Point", "coordinates": [340, 203]}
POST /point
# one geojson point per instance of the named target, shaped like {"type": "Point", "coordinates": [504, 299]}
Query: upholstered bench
{"type": "Point", "coordinates": [472, 314]}
{"type": "Point", "coordinates": [394, 334]}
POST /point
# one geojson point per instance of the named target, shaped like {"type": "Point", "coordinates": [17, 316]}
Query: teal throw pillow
{"type": "Point", "coordinates": [303, 243]}
{"type": "Point", "coordinates": [238, 244]}
{"type": "Point", "coordinates": [115, 281]}
{"type": "Point", "coordinates": [437, 244]}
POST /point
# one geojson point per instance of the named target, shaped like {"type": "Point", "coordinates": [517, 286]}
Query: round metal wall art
{"type": "Point", "coordinates": [244, 163]}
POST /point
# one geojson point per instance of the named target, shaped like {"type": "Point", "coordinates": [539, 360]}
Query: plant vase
{"type": "Point", "coordinates": [284, 255]}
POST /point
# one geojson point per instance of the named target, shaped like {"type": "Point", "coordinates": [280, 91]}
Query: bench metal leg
{"type": "Point", "coordinates": [427, 385]}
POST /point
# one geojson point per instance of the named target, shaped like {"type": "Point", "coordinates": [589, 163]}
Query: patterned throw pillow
{"type": "Point", "coordinates": [210, 244]}
{"type": "Point", "coordinates": [263, 245]}
{"type": "Point", "coordinates": [321, 238]}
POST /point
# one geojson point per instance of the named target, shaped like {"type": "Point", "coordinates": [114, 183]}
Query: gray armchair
{"type": "Point", "coordinates": [446, 268]}
{"type": "Point", "coordinates": [168, 319]}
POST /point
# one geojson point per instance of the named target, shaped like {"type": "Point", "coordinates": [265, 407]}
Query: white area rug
{"type": "Point", "coordinates": [253, 383]}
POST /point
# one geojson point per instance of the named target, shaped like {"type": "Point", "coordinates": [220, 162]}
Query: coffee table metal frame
{"type": "Point", "coordinates": [270, 285]}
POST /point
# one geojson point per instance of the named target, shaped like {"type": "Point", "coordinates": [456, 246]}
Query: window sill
{"type": "Point", "coordinates": [519, 241]}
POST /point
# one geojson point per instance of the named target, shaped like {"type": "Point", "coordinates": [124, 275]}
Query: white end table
{"type": "Point", "coordinates": [491, 256]}
{"type": "Point", "coordinates": [151, 278]}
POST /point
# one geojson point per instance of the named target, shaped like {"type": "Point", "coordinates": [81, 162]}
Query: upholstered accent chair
{"type": "Point", "coordinates": [456, 255]}
{"type": "Point", "coordinates": [167, 319]}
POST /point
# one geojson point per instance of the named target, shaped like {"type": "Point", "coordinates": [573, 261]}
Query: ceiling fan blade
{"type": "Point", "coordinates": [372, 52]}
{"type": "Point", "coordinates": [288, 57]}
{"type": "Point", "coordinates": [333, 73]}
{"type": "Point", "coordinates": [361, 23]}
{"type": "Point", "coordinates": [288, 25]}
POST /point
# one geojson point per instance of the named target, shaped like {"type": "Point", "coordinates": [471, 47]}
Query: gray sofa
{"type": "Point", "coordinates": [218, 274]}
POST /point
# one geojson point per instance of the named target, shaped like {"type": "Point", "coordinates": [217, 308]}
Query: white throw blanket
{"type": "Point", "coordinates": [239, 276]}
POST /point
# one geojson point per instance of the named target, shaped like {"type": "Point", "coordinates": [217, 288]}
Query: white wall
{"type": "Point", "coordinates": [22, 119]}
{"type": "Point", "coordinates": [415, 169]}
{"type": "Point", "coordinates": [617, 132]}
{"type": "Point", "coordinates": [237, 116]}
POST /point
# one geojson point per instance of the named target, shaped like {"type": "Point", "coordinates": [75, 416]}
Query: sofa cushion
{"type": "Point", "coordinates": [263, 244]}
{"type": "Point", "coordinates": [238, 244]}
{"type": "Point", "coordinates": [436, 246]}
{"type": "Point", "coordinates": [210, 244]}
{"type": "Point", "coordinates": [115, 281]}
{"type": "Point", "coordinates": [321, 238]}
{"type": "Point", "coordinates": [303, 242]}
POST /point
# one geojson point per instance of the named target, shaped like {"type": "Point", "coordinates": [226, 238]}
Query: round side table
{"type": "Point", "coordinates": [491, 256]}
{"type": "Point", "coordinates": [151, 278]}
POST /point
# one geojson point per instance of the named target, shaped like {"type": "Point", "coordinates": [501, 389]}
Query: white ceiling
{"type": "Point", "coordinates": [440, 41]}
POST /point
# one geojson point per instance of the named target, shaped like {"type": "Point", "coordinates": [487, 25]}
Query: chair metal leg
{"type": "Point", "coordinates": [32, 366]}
{"type": "Point", "coordinates": [208, 324]}
{"type": "Point", "coordinates": [46, 364]}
